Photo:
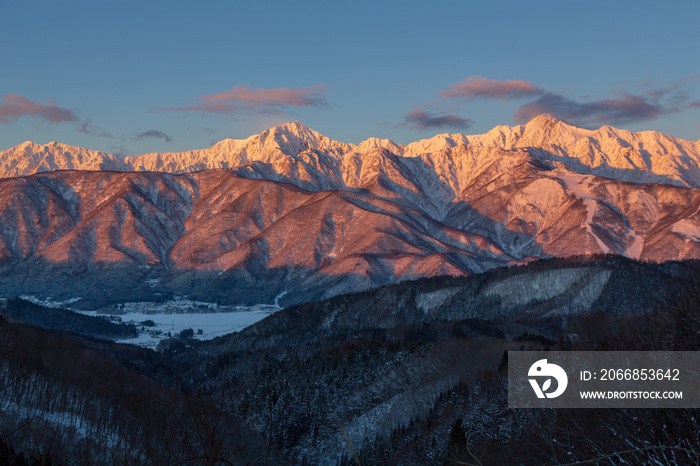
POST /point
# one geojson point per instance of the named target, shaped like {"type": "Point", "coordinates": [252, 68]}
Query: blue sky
{"type": "Point", "coordinates": [134, 77]}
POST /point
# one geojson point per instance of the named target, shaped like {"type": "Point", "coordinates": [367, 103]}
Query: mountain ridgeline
{"type": "Point", "coordinates": [290, 210]}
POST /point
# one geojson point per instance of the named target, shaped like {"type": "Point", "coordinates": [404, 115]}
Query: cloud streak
{"type": "Point", "coordinates": [476, 86]}
{"type": "Point", "coordinates": [15, 106]}
{"type": "Point", "coordinates": [244, 100]}
{"type": "Point", "coordinates": [622, 108]}
{"type": "Point", "coordinates": [86, 127]}
{"type": "Point", "coordinates": [420, 119]}
{"type": "Point", "coordinates": [153, 134]}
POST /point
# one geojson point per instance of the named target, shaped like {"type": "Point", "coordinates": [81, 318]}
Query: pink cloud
{"type": "Point", "coordinates": [242, 99]}
{"type": "Point", "coordinates": [311, 96]}
{"type": "Point", "coordinates": [15, 106]}
{"type": "Point", "coordinates": [476, 86]}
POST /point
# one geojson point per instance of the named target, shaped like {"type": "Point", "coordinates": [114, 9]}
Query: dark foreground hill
{"type": "Point", "coordinates": [413, 373]}
{"type": "Point", "coordinates": [66, 399]}
{"type": "Point", "coordinates": [19, 310]}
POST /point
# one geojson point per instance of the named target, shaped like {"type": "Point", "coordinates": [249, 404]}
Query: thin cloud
{"type": "Point", "coordinates": [420, 119]}
{"type": "Point", "coordinates": [15, 106]}
{"type": "Point", "coordinates": [270, 97]}
{"type": "Point", "coordinates": [242, 100]}
{"type": "Point", "coordinates": [621, 108]}
{"type": "Point", "coordinates": [476, 86]}
{"type": "Point", "coordinates": [153, 134]}
{"type": "Point", "coordinates": [86, 127]}
{"type": "Point", "coordinates": [626, 109]}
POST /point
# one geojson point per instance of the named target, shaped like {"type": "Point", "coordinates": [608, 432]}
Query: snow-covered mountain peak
{"type": "Point", "coordinates": [29, 157]}
{"type": "Point", "coordinates": [54, 145]}
{"type": "Point", "coordinates": [297, 128]}
{"type": "Point", "coordinates": [26, 144]}
{"type": "Point", "coordinates": [546, 129]}
{"type": "Point", "coordinates": [545, 120]}
{"type": "Point", "coordinates": [376, 143]}
{"type": "Point", "coordinates": [438, 143]}
{"type": "Point", "coordinates": [298, 154]}
{"type": "Point", "coordinates": [293, 138]}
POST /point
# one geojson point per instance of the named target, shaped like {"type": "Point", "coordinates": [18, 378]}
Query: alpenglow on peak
{"type": "Point", "coordinates": [293, 151]}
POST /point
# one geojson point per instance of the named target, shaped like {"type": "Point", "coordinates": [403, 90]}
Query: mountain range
{"type": "Point", "coordinates": [293, 215]}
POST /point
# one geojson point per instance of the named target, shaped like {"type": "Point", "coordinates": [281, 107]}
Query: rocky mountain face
{"type": "Point", "coordinates": [292, 211]}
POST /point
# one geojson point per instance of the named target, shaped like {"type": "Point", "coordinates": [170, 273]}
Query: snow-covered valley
{"type": "Point", "coordinates": [157, 321]}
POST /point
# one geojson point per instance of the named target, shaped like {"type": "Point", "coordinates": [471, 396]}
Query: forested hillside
{"type": "Point", "coordinates": [413, 373]}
